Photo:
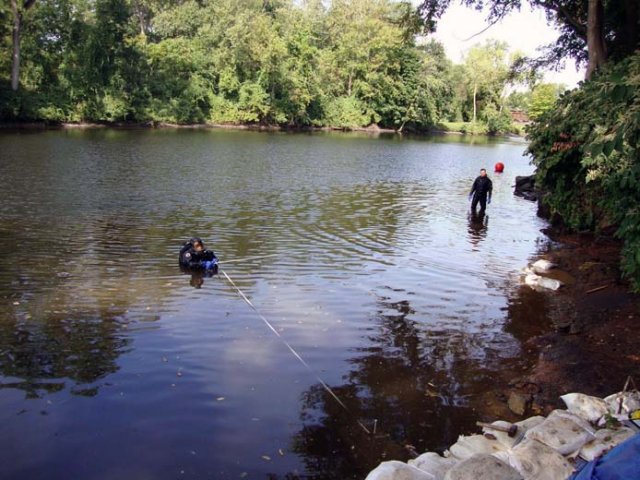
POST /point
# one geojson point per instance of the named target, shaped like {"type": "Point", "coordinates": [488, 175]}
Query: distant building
{"type": "Point", "coordinates": [519, 116]}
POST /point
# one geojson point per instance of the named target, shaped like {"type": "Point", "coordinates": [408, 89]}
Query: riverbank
{"type": "Point", "coordinates": [589, 339]}
{"type": "Point", "coordinates": [459, 128]}
{"type": "Point", "coordinates": [587, 342]}
{"type": "Point", "coordinates": [41, 125]}
{"type": "Point", "coordinates": [592, 438]}
{"type": "Point", "coordinates": [595, 344]}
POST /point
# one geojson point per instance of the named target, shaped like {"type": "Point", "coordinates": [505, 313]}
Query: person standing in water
{"type": "Point", "coordinates": [481, 191]}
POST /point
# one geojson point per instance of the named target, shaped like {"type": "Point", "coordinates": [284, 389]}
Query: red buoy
{"type": "Point", "coordinates": [499, 168]}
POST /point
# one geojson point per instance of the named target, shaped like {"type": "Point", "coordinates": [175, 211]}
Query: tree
{"type": "Point", "coordinates": [543, 98]}
{"type": "Point", "coordinates": [590, 26]}
{"type": "Point", "coordinates": [587, 154]}
{"type": "Point", "coordinates": [486, 73]}
{"type": "Point", "coordinates": [18, 13]}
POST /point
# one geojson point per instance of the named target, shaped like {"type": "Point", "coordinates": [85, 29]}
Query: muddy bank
{"type": "Point", "coordinates": [585, 339]}
{"type": "Point", "coordinates": [592, 339]}
{"type": "Point", "coordinates": [595, 344]}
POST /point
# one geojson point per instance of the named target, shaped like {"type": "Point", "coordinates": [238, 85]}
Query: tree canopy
{"type": "Point", "coordinates": [345, 64]}
{"type": "Point", "coordinates": [591, 31]}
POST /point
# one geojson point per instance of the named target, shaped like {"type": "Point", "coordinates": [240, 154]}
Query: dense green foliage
{"type": "Point", "coordinates": [543, 98]}
{"type": "Point", "coordinates": [345, 64]}
{"type": "Point", "coordinates": [587, 153]}
{"type": "Point", "coordinates": [591, 31]}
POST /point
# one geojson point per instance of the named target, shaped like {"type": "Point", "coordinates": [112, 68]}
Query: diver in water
{"type": "Point", "coordinates": [481, 191]}
{"type": "Point", "coordinates": [193, 256]}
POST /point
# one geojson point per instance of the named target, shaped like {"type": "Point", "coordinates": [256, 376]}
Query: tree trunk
{"type": "Point", "coordinates": [475, 93]}
{"type": "Point", "coordinates": [595, 37]}
{"type": "Point", "coordinates": [15, 67]}
{"type": "Point", "coordinates": [630, 32]}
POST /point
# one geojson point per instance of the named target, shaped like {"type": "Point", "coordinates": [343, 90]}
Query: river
{"type": "Point", "coordinates": [358, 250]}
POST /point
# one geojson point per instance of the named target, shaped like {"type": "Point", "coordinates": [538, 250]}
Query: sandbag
{"type": "Point", "coordinates": [585, 406]}
{"type": "Point", "coordinates": [563, 431]}
{"type": "Point", "coordinates": [483, 467]}
{"type": "Point", "coordinates": [537, 282]}
{"type": "Point", "coordinates": [623, 462]}
{"type": "Point", "coordinates": [395, 470]}
{"type": "Point", "coordinates": [523, 426]}
{"type": "Point", "coordinates": [542, 266]}
{"type": "Point", "coordinates": [466, 447]}
{"type": "Point", "coordinates": [536, 461]}
{"type": "Point", "coordinates": [605, 440]}
{"type": "Point", "coordinates": [433, 464]}
{"type": "Point", "coordinates": [630, 402]}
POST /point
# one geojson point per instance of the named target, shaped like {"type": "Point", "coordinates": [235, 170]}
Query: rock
{"type": "Point", "coordinates": [518, 403]}
{"type": "Point", "coordinates": [526, 188]}
{"type": "Point", "coordinates": [483, 466]}
{"type": "Point", "coordinates": [395, 470]}
{"type": "Point", "coordinates": [433, 464]}
{"type": "Point", "coordinates": [585, 406]}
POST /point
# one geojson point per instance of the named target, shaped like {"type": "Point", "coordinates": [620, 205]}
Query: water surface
{"type": "Point", "coordinates": [362, 255]}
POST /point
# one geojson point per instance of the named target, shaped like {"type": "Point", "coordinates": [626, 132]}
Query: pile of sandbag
{"type": "Point", "coordinates": [534, 276]}
{"type": "Point", "coordinates": [538, 448]}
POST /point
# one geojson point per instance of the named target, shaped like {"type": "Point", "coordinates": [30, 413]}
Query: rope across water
{"type": "Point", "coordinates": [296, 354]}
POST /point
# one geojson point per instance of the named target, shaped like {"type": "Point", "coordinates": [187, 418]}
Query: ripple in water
{"type": "Point", "coordinates": [360, 252]}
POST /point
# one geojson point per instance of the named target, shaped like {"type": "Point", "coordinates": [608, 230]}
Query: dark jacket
{"type": "Point", "coordinates": [192, 259]}
{"type": "Point", "coordinates": [482, 186]}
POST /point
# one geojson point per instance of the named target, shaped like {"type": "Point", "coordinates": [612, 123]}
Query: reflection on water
{"type": "Point", "coordinates": [478, 223]}
{"type": "Point", "coordinates": [359, 250]}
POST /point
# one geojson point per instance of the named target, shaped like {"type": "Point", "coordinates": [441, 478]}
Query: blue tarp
{"type": "Point", "coordinates": [621, 463]}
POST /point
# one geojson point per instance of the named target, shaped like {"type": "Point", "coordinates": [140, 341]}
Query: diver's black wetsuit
{"type": "Point", "coordinates": [194, 260]}
{"type": "Point", "coordinates": [482, 186]}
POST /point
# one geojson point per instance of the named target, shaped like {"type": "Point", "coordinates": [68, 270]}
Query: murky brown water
{"type": "Point", "coordinates": [114, 365]}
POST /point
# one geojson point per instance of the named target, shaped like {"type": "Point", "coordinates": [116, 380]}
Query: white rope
{"type": "Point", "coordinates": [262, 317]}
{"type": "Point", "coordinates": [237, 260]}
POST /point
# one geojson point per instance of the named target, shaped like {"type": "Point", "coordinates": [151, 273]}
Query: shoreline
{"type": "Point", "coordinates": [44, 125]}
{"type": "Point", "coordinates": [593, 346]}
{"type": "Point", "coordinates": [372, 129]}
{"type": "Point", "coordinates": [589, 347]}
{"type": "Point", "coordinates": [590, 344]}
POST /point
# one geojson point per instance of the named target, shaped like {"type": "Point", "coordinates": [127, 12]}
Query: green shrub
{"type": "Point", "coordinates": [346, 112]}
{"type": "Point", "coordinates": [587, 154]}
{"type": "Point", "coordinates": [497, 121]}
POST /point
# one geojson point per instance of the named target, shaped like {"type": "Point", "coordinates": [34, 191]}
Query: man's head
{"type": "Point", "coordinates": [483, 172]}
{"type": "Point", "coordinates": [198, 246]}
